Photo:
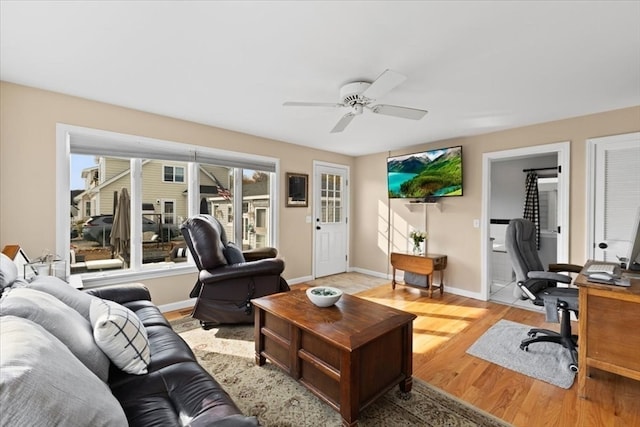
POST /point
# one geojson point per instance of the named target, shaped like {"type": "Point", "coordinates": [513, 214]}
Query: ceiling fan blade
{"type": "Point", "coordinates": [394, 110]}
{"type": "Point", "coordinates": [343, 122]}
{"type": "Point", "coordinates": [311, 104]}
{"type": "Point", "coordinates": [383, 84]}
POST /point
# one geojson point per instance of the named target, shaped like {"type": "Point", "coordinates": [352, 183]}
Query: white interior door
{"type": "Point", "coordinates": [330, 219]}
{"type": "Point", "coordinates": [615, 194]}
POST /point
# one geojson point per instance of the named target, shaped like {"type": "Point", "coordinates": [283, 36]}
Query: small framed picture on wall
{"type": "Point", "coordinates": [297, 190]}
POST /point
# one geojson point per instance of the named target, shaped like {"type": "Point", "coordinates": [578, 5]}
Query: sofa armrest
{"type": "Point", "coordinates": [264, 267]}
{"type": "Point", "coordinates": [121, 293]}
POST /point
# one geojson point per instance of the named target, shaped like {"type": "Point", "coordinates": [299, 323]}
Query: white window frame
{"type": "Point", "coordinates": [164, 214]}
{"type": "Point", "coordinates": [230, 214]}
{"type": "Point", "coordinates": [122, 145]}
{"type": "Point", "coordinates": [256, 215]}
{"type": "Point", "coordinates": [173, 175]}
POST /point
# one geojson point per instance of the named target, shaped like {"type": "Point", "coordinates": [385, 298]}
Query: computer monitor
{"type": "Point", "coordinates": [633, 255]}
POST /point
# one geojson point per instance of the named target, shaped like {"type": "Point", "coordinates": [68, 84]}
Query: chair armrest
{"type": "Point", "coordinates": [259, 253]}
{"type": "Point", "coordinates": [264, 267]}
{"type": "Point", "coordinates": [571, 268]}
{"type": "Point", "coordinates": [547, 275]}
{"type": "Point", "coordinates": [121, 293]}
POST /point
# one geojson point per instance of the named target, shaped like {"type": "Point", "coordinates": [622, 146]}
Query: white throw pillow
{"type": "Point", "coordinates": [43, 384]}
{"type": "Point", "coordinates": [121, 335]}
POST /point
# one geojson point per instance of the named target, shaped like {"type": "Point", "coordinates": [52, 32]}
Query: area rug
{"type": "Point", "coordinates": [279, 401]}
{"type": "Point", "coordinates": [544, 361]}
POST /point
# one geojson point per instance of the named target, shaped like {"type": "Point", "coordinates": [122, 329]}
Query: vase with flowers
{"type": "Point", "coordinates": [418, 237]}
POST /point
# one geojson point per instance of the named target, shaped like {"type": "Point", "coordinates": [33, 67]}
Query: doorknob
{"type": "Point", "coordinates": [318, 227]}
{"type": "Point", "coordinates": [603, 245]}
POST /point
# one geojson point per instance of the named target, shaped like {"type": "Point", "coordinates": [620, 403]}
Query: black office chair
{"type": "Point", "coordinates": [541, 287]}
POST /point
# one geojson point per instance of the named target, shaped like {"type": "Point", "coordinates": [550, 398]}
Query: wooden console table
{"type": "Point", "coordinates": [609, 337]}
{"type": "Point", "coordinates": [420, 264]}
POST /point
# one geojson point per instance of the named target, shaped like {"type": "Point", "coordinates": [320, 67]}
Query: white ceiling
{"type": "Point", "coordinates": [477, 66]}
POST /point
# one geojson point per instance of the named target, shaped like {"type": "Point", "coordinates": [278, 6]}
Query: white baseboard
{"type": "Point", "coordinates": [299, 280]}
{"type": "Point", "coordinates": [463, 292]}
{"type": "Point", "coordinates": [179, 305]}
{"type": "Point", "coordinates": [370, 273]}
{"type": "Point", "coordinates": [400, 276]}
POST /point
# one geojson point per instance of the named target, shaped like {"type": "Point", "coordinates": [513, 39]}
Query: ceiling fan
{"type": "Point", "coordinates": [360, 95]}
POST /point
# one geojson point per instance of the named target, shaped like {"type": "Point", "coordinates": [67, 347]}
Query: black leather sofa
{"type": "Point", "coordinates": [55, 372]}
{"type": "Point", "coordinates": [176, 391]}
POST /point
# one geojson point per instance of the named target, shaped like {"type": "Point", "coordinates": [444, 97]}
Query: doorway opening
{"type": "Point", "coordinates": [504, 175]}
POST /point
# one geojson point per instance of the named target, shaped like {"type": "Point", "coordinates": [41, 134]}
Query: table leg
{"type": "Point", "coordinates": [349, 390]}
{"type": "Point", "coordinates": [407, 358]}
{"type": "Point", "coordinates": [406, 385]}
{"type": "Point", "coordinates": [583, 369]}
{"type": "Point", "coordinates": [258, 336]}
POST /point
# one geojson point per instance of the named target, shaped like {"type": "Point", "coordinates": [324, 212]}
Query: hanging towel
{"type": "Point", "coordinates": [532, 204]}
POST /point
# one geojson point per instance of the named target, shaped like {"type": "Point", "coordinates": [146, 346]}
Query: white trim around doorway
{"type": "Point", "coordinates": [562, 150]}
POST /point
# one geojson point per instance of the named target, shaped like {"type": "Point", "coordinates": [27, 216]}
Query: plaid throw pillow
{"type": "Point", "coordinates": [120, 335]}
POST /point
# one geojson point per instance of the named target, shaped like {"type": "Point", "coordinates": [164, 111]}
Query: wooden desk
{"type": "Point", "coordinates": [420, 264]}
{"type": "Point", "coordinates": [609, 336]}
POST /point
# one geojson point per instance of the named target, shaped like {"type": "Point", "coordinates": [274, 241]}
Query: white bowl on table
{"type": "Point", "coordinates": [324, 296]}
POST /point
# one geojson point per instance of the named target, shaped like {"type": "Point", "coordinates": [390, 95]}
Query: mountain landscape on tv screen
{"type": "Point", "coordinates": [429, 174]}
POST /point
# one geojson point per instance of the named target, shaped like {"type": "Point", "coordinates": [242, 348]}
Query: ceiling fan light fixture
{"type": "Point", "coordinates": [358, 95]}
{"type": "Point", "coordinates": [352, 93]}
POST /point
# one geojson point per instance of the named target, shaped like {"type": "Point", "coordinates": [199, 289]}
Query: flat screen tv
{"type": "Point", "coordinates": [426, 175]}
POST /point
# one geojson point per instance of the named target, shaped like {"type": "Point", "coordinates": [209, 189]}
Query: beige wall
{"type": "Point", "coordinates": [28, 119]}
{"type": "Point", "coordinates": [451, 228]}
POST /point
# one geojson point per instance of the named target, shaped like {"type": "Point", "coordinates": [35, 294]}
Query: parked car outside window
{"type": "Point", "coordinates": [98, 229]}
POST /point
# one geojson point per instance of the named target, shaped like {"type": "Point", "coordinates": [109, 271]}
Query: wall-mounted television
{"type": "Point", "coordinates": [425, 175]}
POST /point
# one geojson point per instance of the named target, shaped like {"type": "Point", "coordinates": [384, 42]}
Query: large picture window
{"type": "Point", "coordinates": [104, 177]}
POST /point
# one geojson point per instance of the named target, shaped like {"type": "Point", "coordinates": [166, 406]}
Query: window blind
{"type": "Point", "coordinates": [130, 146]}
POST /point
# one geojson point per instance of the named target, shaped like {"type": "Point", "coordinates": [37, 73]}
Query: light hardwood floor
{"type": "Point", "coordinates": [446, 326]}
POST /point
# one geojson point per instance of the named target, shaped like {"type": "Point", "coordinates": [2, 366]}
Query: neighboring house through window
{"type": "Point", "coordinates": [102, 164]}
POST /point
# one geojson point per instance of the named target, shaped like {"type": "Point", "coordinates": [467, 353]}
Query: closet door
{"type": "Point", "coordinates": [615, 194]}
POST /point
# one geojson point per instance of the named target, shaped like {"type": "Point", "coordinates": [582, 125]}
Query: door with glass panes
{"type": "Point", "coordinates": [330, 220]}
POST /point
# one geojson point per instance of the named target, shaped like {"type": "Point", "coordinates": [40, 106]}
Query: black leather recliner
{"type": "Point", "coordinates": [228, 278]}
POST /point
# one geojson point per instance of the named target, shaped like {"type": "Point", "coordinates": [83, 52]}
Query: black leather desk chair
{"type": "Point", "coordinates": [541, 287]}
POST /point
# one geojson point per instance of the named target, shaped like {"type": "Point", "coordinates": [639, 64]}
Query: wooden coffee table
{"type": "Point", "coordinates": [348, 354]}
